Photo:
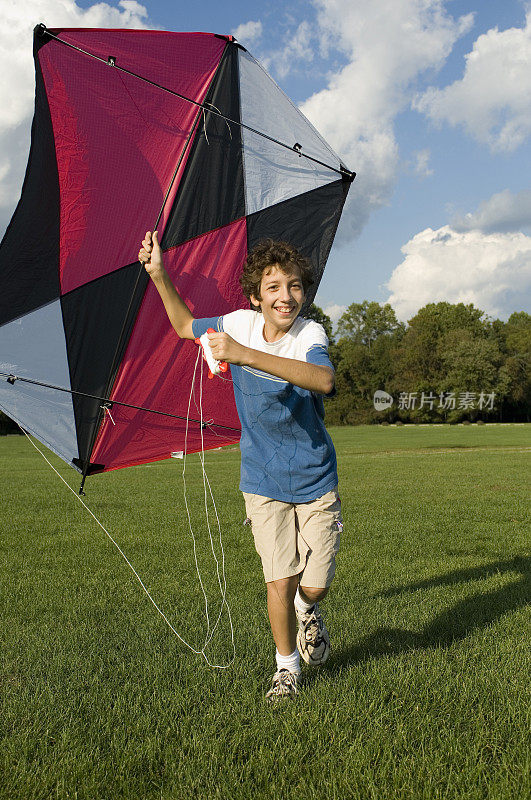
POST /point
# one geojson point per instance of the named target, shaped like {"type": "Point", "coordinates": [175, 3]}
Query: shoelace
{"type": "Point", "coordinates": [313, 627]}
{"type": "Point", "coordinates": [284, 679]}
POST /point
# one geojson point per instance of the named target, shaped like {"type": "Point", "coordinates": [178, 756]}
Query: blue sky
{"type": "Point", "coordinates": [428, 101]}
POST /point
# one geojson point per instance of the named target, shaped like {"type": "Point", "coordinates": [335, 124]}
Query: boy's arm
{"type": "Point", "coordinates": [313, 377]}
{"type": "Point", "coordinates": [300, 373]}
{"type": "Point", "coordinates": [180, 316]}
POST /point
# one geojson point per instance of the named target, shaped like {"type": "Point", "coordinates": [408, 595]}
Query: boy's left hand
{"type": "Point", "coordinates": [225, 348]}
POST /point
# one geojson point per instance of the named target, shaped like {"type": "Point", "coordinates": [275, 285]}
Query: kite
{"type": "Point", "coordinates": [137, 129]}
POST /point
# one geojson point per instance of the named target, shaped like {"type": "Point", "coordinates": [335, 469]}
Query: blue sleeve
{"type": "Point", "coordinates": [318, 354]}
{"type": "Point", "coordinates": [200, 326]}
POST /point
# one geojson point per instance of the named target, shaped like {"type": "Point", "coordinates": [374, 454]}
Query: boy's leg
{"type": "Point", "coordinates": [313, 641]}
{"type": "Point", "coordinates": [319, 525]}
{"type": "Point", "coordinates": [281, 609]}
{"type": "Point", "coordinates": [275, 536]}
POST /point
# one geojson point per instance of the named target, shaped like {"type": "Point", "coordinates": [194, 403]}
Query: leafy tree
{"type": "Point", "coordinates": [514, 387]}
{"type": "Point", "coordinates": [469, 364]}
{"type": "Point", "coordinates": [515, 374]}
{"type": "Point", "coordinates": [497, 331]}
{"type": "Point", "coordinates": [364, 357]}
{"type": "Point", "coordinates": [446, 348]}
{"type": "Point", "coordinates": [420, 358]}
{"type": "Point", "coordinates": [353, 379]}
{"type": "Point", "coordinates": [364, 322]}
{"type": "Point", "coordinates": [518, 334]}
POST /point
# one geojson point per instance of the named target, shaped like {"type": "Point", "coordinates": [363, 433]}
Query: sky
{"type": "Point", "coordinates": [428, 101]}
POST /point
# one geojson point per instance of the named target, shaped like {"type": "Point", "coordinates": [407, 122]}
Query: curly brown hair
{"type": "Point", "coordinates": [267, 254]}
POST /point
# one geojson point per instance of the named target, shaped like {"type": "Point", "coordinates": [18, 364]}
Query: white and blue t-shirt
{"type": "Point", "coordinates": [287, 453]}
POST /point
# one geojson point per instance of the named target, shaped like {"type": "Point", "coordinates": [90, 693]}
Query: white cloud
{"type": "Point", "coordinates": [422, 163]}
{"type": "Point", "coordinates": [17, 87]}
{"type": "Point", "coordinates": [502, 212]}
{"type": "Point", "coordinates": [492, 271]}
{"type": "Point", "coordinates": [493, 98]}
{"type": "Point", "coordinates": [334, 311]}
{"type": "Point", "coordinates": [297, 48]}
{"type": "Point", "coordinates": [387, 45]}
{"type": "Point", "coordinates": [248, 33]}
{"type": "Point", "coordinates": [300, 42]}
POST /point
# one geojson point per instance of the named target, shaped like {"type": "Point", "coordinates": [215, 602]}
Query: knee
{"type": "Point", "coordinates": [284, 588]}
{"type": "Point", "coordinates": [312, 594]}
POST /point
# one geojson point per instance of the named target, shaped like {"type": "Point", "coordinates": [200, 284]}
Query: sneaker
{"type": "Point", "coordinates": [313, 641]}
{"type": "Point", "coordinates": [285, 685]}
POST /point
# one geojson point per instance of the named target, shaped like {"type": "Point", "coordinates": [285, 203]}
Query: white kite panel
{"type": "Point", "coordinates": [273, 173]}
{"type": "Point", "coordinates": [33, 346]}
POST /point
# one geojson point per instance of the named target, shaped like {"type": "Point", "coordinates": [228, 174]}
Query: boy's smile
{"type": "Point", "coordinates": [282, 296]}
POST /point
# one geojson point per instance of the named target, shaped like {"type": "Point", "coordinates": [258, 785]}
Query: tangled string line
{"type": "Point", "coordinates": [220, 570]}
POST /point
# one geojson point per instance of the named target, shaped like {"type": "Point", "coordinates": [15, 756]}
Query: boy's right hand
{"type": "Point", "coordinates": [150, 254]}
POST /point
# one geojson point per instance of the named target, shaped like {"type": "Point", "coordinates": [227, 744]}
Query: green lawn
{"type": "Point", "coordinates": [426, 694]}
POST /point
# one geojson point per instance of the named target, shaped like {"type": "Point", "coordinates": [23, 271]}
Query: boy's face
{"type": "Point", "coordinates": [282, 296]}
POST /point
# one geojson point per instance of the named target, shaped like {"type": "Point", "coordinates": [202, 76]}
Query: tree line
{"type": "Point", "coordinates": [449, 363]}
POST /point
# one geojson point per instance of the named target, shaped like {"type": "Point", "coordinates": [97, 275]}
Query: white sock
{"type": "Point", "coordinates": [301, 605]}
{"type": "Point", "coordinates": [290, 662]}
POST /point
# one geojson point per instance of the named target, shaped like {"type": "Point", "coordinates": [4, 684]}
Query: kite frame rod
{"type": "Point", "coordinates": [12, 378]}
{"type": "Point", "coordinates": [110, 62]}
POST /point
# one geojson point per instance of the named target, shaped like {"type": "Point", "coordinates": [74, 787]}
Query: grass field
{"type": "Point", "coordinates": [426, 694]}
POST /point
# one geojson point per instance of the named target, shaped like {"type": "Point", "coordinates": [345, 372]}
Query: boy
{"type": "Point", "coordinates": [280, 370]}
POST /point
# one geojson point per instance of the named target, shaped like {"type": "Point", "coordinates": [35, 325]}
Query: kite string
{"type": "Point", "coordinates": [194, 546]}
{"type": "Point", "coordinates": [222, 581]}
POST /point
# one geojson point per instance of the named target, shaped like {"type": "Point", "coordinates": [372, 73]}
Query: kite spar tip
{"type": "Point", "coordinates": [347, 173]}
{"type": "Point", "coordinates": [41, 35]}
{"type": "Point", "coordinates": [231, 40]}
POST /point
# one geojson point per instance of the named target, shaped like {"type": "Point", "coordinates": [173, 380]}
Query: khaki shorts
{"type": "Point", "coordinates": [297, 538]}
